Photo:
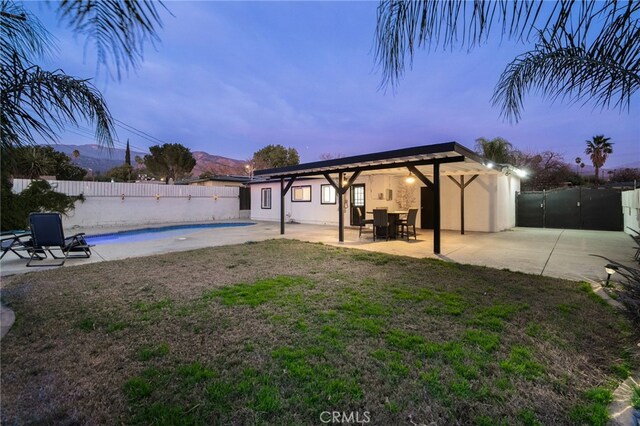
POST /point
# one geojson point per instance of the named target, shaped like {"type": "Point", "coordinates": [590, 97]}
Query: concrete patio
{"type": "Point", "coordinates": [551, 252]}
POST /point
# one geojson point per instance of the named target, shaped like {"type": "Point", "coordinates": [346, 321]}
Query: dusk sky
{"type": "Point", "coordinates": [229, 78]}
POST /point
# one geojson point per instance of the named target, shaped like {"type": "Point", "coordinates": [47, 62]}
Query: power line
{"type": "Point", "coordinates": [138, 132]}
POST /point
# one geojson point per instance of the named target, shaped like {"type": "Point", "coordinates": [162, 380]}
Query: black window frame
{"type": "Point", "coordinates": [262, 198]}
{"type": "Point", "coordinates": [335, 194]}
{"type": "Point", "coordinates": [293, 190]}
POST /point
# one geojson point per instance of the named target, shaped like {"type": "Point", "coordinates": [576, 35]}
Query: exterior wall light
{"type": "Point", "coordinates": [489, 165]}
{"type": "Point", "coordinates": [521, 173]}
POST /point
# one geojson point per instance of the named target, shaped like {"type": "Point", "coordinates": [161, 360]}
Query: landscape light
{"type": "Point", "coordinates": [610, 271]}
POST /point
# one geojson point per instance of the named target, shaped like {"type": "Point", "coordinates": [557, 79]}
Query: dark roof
{"type": "Point", "coordinates": [419, 155]}
{"type": "Point", "coordinates": [218, 178]}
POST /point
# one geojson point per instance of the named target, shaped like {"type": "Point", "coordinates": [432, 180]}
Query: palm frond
{"type": "Point", "coordinates": [118, 29]}
{"type": "Point", "coordinates": [37, 102]}
{"type": "Point", "coordinates": [606, 72]}
{"type": "Point", "coordinates": [575, 39]}
{"type": "Point", "coordinates": [22, 34]}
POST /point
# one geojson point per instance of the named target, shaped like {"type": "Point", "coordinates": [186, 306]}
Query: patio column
{"type": "Point", "coordinates": [462, 186]}
{"type": "Point", "coordinates": [341, 188]}
{"type": "Point", "coordinates": [436, 207]}
{"type": "Point", "coordinates": [340, 211]}
{"type": "Point", "coordinates": [283, 192]}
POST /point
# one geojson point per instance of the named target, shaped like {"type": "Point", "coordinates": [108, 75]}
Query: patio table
{"type": "Point", "coordinates": [394, 217]}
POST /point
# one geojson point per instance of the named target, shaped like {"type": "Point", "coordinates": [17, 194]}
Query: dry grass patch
{"type": "Point", "coordinates": [279, 331]}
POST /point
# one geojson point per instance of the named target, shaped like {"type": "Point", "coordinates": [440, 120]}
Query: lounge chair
{"type": "Point", "coordinates": [47, 234]}
{"type": "Point", "coordinates": [17, 243]}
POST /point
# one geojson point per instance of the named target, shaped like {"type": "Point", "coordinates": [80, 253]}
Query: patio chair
{"type": "Point", "coordinates": [362, 222]}
{"type": "Point", "coordinates": [16, 243]}
{"type": "Point", "coordinates": [380, 222]}
{"type": "Point", "coordinates": [47, 234]}
{"type": "Point", "coordinates": [409, 222]}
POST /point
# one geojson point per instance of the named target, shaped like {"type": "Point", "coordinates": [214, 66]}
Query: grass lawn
{"type": "Point", "coordinates": [279, 331]}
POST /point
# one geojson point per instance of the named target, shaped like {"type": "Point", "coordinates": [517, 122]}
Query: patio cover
{"type": "Point", "coordinates": [449, 159]}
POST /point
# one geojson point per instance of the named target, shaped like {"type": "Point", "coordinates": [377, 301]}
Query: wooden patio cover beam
{"type": "Point", "coordinates": [462, 185]}
{"type": "Point", "coordinates": [283, 191]}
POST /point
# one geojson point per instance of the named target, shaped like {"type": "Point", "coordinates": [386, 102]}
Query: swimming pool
{"type": "Point", "coordinates": [148, 234]}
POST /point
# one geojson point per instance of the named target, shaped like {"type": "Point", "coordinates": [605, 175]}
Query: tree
{"type": "Point", "coordinates": [120, 173]}
{"type": "Point", "coordinates": [36, 103]}
{"type": "Point", "coordinates": [127, 155]}
{"type": "Point", "coordinates": [272, 156]}
{"type": "Point", "coordinates": [626, 175]}
{"type": "Point", "coordinates": [330, 155]}
{"type": "Point", "coordinates": [545, 170]}
{"type": "Point", "coordinates": [34, 161]}
{"type": "Point", "coordinates": [497, 149]}
{"type": "Point", "coordinates": [584, 51]}
{"type": "Point", "coordinates": [598, 149]}
{"type": "Point", "coordinates": [76, 154]}
{"type": "Point", "coordinates": [169, 161]}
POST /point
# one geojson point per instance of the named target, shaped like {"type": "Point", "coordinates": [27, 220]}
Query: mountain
{"type": "Point", "coordinates": [96, 158]}
{"type": "Point", "coordinates": [216, 164]}
{"type": "Point", "coordinates": [100, 160]}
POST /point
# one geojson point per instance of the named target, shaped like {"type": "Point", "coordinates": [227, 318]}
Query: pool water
{"type": "Point", "coordinates": [148, 234]}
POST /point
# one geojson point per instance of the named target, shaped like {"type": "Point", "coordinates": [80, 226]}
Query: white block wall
{"type": "Point", "coordinates": [490, 201]}
{"type": "Point", "coordinates": [111, 204]}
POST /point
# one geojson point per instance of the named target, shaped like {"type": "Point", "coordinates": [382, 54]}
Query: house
{"type": "Point", "coordinates": [454, 188]}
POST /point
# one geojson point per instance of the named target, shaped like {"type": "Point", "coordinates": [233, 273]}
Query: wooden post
{"type": "Point", "coordinates": [282, 193]}
{"type": "Point", "coordinates": [340, 211]}
{"type": "Point", "coordinates": [462, 185]}
{"type": "Point", "coordinates": [436, 208]}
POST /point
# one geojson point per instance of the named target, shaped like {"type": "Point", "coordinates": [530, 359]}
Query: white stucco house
{"type": "Point", "coordinates": [453, 188]}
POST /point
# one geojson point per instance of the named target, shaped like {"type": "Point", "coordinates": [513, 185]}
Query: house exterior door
{"type": "Point", "coordinates": [426, 208]}
{"type": "Point", "coordinates": [357, 200]}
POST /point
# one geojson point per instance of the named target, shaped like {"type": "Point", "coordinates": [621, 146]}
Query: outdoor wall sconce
{"type": "Point", "coordinates": [610, 271]}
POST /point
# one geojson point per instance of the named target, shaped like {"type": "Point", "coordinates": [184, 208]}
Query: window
{"type": "Point", "coordinates": [266, 198]}
{"type": "Point", "coordinates": [301, 193]}
{"type": "Point", "coordinates": [327, 194]}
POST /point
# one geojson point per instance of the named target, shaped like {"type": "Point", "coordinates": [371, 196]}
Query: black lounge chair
{"type": "Point", "coordinates": [17, 243]}
{"type": "Point", "coordinates": [47, 234]}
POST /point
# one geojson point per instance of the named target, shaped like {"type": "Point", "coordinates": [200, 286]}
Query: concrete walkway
{"type": "Point", "coordinates": [551, 252]}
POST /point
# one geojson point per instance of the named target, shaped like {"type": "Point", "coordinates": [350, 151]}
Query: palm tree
{"type": "Point", "coordinates": [584, 51]}
{"type": "Point", "coordinates": [35, 102]}
{"type": "Point", "coordinates": [498, 149]}
{"type": "Point", "coordinates": [598, 149]}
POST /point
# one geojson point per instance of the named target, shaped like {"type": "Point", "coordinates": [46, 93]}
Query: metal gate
{"type": "Point", "coordinates": [570, 208]}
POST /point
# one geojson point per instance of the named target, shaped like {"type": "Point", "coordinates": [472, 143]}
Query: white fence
{"type": "Point", "coordinates": [111, 204]}
{"type": "Point", "coordinates": [631, 210]}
